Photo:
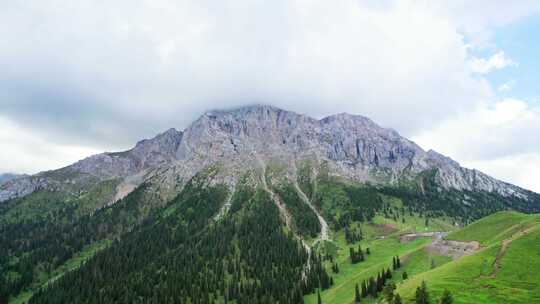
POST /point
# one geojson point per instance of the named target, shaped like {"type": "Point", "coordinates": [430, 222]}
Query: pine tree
{"type": "Point", "coordinates": [446, 297]}
{"type": "Point", "coordinates": [388, 274]}
{"type": "Point", "coordinates": [380, 282]}
{"type": "Point", "coordinates": [372, 287]}
{"type": "Point", "coordinates": [352, 255]}
{"type": "Point", "coordinates": [397, 299]}
{"type": "Point", "coordinates": [319, 300]}
{"type": "Point", "coordinates": [388, 292]}
{"type": "Point", "coordinates": [364, 289]}
{"type": "Point", "coordinates": [356, 294]}
{"type": "Point", "coordinates": [398, 262]}
{"type": "Point", "coordinates": [394, 263]}
{"type": "Point", "coordinates": [422, 295]}
{"type": "Point", "coordinates": [404, 275]}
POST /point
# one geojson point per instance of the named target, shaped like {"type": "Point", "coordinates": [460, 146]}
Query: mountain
{"type": "Point", "coordinates": [250, 205]}
{"type": "Point", "coordinates": [352, 146]}
{"type": "Point", "coordinates": [5, 177]}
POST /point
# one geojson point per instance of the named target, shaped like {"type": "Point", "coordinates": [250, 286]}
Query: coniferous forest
{"type": "Point", "coordinates": [183, 256]}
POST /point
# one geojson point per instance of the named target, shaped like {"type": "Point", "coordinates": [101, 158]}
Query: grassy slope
{"type": "Point", "coordinates": [471, 279]}
{"type": "Point", "coordinates": [381, 237]}
{"type": "Point", "coordinates": [475, 278]}
{"type": "Point", "coordinates": [495, 228]}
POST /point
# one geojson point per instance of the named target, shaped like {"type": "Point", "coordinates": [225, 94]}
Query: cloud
{"type": "Point", "coordinates": [88, 72]}
{"type": "Point", "coordinates": [507, 86]}
{"type": "Point", "coordinates": [92, 76]}
{"type": "Point", "coordinates": [519, 169]}
{"type": "Point", "coordinates": [495, 62]}
{"type": "Point", "coordinates": [22, 150]}
{"type": "Point", "coordinates": [479, 19]}
{"type": "Point", "coordinates": [499, 139]}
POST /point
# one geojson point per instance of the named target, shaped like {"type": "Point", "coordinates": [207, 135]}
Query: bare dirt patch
{"type": "Point", "coordinates": [502, 251]}
{"type": "Point", "coordinates": [453, 249]}
{"type": "Point", "coordinates": [385, 229]}
{"type": "Point", "coordinates": [439, 246]}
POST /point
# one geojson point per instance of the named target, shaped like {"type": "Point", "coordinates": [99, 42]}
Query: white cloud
{"type": "Point", "coordinates": [495, 62]}
{"type": "Point", "coordinates": [24, 152]}
{"type": "Point", "coordinates": [478, 19]}
{"type": "Point", "coordinates": [162, 63]}
{"type": "Point", "coordinates": [519, 169]}
{"type": "Point", "coordinates": [507, 86]}
{"type": "Point", "coordinates": [501, 139]}
{"type": "Point", "coordinates": [88, 76]}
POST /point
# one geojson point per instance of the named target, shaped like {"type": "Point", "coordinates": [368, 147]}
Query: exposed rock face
{"type": "Point", "coordinates": [5, 177]}
{"type": "Point", "coordinates": [23, 186]}
{"type": "Point", "coordinates": [148, 153]}
{"type": "Point", "coordinates": [352, 146]}
{"type": "Point", "coordinates": [349, 140]}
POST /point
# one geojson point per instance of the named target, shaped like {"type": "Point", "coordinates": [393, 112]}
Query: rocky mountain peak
{"type": "Point", "coordinates": [158, 149]}
{"type": "Point", "coordinates": [353, 146]}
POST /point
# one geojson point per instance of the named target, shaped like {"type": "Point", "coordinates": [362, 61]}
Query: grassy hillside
{"type": "Point", "coordinates": [495, 228]}
{"type": "Point", "coordinates": [504, 270]}
{"type": "Point", "coordinates": [381, 236]}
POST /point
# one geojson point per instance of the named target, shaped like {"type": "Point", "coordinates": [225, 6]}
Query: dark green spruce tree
{"type": "Point", "coordinates": [446, 297]}
{"type": "Point", "coordinates": [356, 294]}
{"type": "Point", "coordinates": [397, 299]}
{"type": "Point", "coordinates": [422, 295]}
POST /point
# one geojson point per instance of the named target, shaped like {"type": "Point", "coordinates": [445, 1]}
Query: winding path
{"type": "Point", "coordinates": [286, 216]}
{"type": "Point", "coordinates": [324, 235]}
{"type": "Point", "coordinates": [504, 247]}
{"type": "Point", "coordinates": [226, 206]}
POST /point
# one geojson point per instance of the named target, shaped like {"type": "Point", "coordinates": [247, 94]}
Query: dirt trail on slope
{"type": "Point", "coordinates": [286, 216]}
{"type": "Point", "coordinates": [324, 235]}
{"type": "Point", "coordinates": [504, 248]}
{"type": "Point", "coordinates": [282, 210]}
{"type": "Point", "coordinates": [226, 206]}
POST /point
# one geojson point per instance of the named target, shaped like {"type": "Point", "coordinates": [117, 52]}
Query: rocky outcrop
{"type": "Point", "coordinates": [146, 154]}
{"type": "Point", "coordinates": [5, 177]}
{"type": "Point", "coordinates": [354, 146]}
{"type": "Point", "coordinates": [23, 186]}
{"type": "Point", "coordinates": [351, 146]}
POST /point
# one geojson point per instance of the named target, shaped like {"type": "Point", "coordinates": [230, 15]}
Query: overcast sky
{"type": "Point", "coordinates": [82, 77]}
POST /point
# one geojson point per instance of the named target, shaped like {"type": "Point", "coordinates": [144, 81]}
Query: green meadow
{"type": "Point", "coordinates": [503, 270]}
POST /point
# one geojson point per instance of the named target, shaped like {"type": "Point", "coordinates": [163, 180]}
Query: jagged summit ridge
{"type": "Point", "coordinates": [353, 146]}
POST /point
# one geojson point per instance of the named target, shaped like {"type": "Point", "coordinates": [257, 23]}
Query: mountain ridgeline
{"type": "Point", "coordinates": [240, 207]}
